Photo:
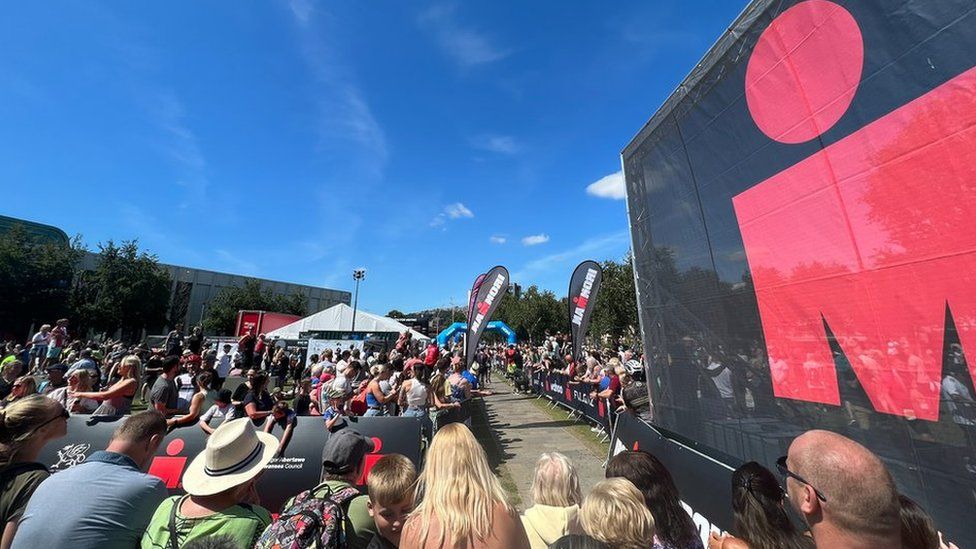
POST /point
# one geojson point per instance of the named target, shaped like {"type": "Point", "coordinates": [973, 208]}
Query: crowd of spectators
{"type": "Point", "coordinates": [841, 491]}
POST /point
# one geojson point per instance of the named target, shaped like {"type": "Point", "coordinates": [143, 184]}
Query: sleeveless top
{"type": "Point", "coordinates": [417, 395]}
{"type": "Point", "coordinates": [371, 400]}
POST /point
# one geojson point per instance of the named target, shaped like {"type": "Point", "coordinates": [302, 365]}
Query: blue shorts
{"type": "Point", "coordinates": [54, 352]}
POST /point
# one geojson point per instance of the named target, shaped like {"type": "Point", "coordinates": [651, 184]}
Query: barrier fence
{"type": "Point", "coordinates": [574, 396]}
{"type": "Point", "coordinates": [298, 469]}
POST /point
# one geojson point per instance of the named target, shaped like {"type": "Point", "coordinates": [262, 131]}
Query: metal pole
{"type": "Point", "coordinates": [355, 305]}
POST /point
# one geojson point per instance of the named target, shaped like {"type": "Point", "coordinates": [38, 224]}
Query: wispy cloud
{"type": "Point", "coordinates": [497, 239]}
{"type": "Point", "coordinates": [535, 239]}
{"type": "Point", "coordinates": [611, 186]}
{"type": "Point", "coordinates": [456, 210]}
{"type": "Point", "coordinates": [345, 116]}
{"type": "Point", "coordinates": [597, 247]}
{"type": "Point", "coordinates": [466, 46]}
{"type": "Point", "coordinates": [180, 144]}
{"type": "Point", "coordinates": [501, 144]}
{"type": "Point", "coordinates": [235, 264]}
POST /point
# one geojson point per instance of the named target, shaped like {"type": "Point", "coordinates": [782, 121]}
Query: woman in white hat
{"type": "Point", "coordinates": [221, 497]}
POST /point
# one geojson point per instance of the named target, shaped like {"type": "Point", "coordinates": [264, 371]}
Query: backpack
{"type": "Point", "coordinates": [310, 520]}
{"type": "Point", "coordinates": [357, 405]}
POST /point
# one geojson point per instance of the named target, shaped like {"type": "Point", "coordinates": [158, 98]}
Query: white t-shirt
{"type": "Point", "coordinates": [224, 365]}
{"type": "Point", "coordinates": [219, 414]}
{"type": "Point", "coordinates": [723, 381]}
{"type": "Point", "coordinates": [184, 382]}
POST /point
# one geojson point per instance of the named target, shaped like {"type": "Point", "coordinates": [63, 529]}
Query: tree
{"type": "Point", "coordinates": [616, 304]}
{"type": "Point", "coordinates": [221, 315]}
{"type": "Point", "coordinates": [394, 313]}
{"type": "Point", "coordinates": [35, 280]}
{"type": "Point", "coordinates": [127, 290]}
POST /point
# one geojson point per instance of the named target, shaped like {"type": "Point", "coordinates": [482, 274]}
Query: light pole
{"type": "Point", "coordinates": [357, 275]}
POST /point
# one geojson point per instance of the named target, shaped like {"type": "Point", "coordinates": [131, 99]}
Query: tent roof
{"type": "Point", "coordinates": [338, 318]}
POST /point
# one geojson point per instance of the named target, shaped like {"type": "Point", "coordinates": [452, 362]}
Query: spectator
{"type": "Point", "coordinates": [556, 495]}
{"type": "Point", "coordinates": [39, 345]}
{"type": "Point", "coordinates": [245, 346]}
{"type": "Point", "coordinates": [186, 382]}
{"type": "Point", "coordinates": [117, 399]}
{"type": "Point", "coordinates": [86, 362]}
{"type": "Point", "coordinates": [257, 401]}
{"type": "Point", "coordinates": [25, 427]}
{"type": "Point", "coordinates": [578, 541]}
{"type": "Point", "coordinates": [221, 498]}
{"type": "Point", "coordinates": [673, 527]}
{"type": "Point", "coordinates": [759, 517]}
{"type": "Point", "coordinates": [221, 412]}
{"type": "Point", "coordinates": [303, 402]}
{"type": "Point", "coordinates": [194, 343]}
{"type": "Point", "coordinates": [284, 417]}
{"type": "Point", "coordinates": [343, 460]}
{"type": "Point", "coordinates": [59, 338]}
{"type": "Point", "coordinates": [462, 503]}
{"type": "Point", "coordinates": [201, 401]}
{"type": "Point", "coordinates": [55, 379]}
{"type": "Point", "coordinates": [119, 498]}
{"type": "Point", "coordinates": [376, 399]}
{"type": "Point", "coordinates": [164, 396]}
{"type": "Point", "coordinates": [390, 485]}
{"type": "Point", "coordinates": [224, 365]}
{"type": "Point", "coordinates": [842, 490]}
{"type": "Point", "coordinates": [242, 390]}
{"type": "Point", "coordinates": [8, 375]}
{"type": "Point", "coordinates": [917, 529]}
{"type": "Point", "coordinates": [174, 341]}
{"type": "Point", "coordinates": [614, 513]}
{"type": "Point", "coordinates": [24, 386]}
{"type": "Point", "coordinates": [78, 381]}
{"type": "Point", "coordinates": [332, 415]}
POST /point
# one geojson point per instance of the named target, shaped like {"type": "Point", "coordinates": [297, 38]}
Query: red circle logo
{"type": "Point", "coordinates": [174, 447]}
{"type": "Point", "coordinates": [804, 71]}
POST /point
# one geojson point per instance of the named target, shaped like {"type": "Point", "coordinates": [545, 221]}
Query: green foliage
{"type": "Point", "coordinates": [35, 280]}
{"type": "Point", "coordinates": [127, 291]}
{"type": "Point", "coordinates": [394, 313]}
{"type": "Point", "coordinates": [534, 313]}
{"type": "Point", "coordinates": [616, 305]}
{"type": "Point", "coordinates": [221, 317]}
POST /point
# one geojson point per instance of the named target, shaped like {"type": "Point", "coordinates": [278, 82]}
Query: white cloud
{"type": "Point", "coordinates": [611, 186]}
{"type": "Point", "coordinates": [451, 211]}
{"type": "Point", "coordinates": [456, 210]}
{"type": "Point", "coordinates": [594, 248]}
{"type": "Point", "coordinates": [180, 144]}
{"type": "Point", "coordinates": [535, 239]}
{"type": "Point", "coordinates": [497, 239]}
{"type": "Point", "coordinates": [301, 10]}
{"type": "Point", "coordinates": [501, 144]}
{"type": "Point", "coordinates": [234, 264]}
{"type": "Point", "coordinates": [466, 46]}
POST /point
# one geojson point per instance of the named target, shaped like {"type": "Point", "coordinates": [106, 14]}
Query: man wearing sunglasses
{"type": "Point", "coordinates": [843, 492]}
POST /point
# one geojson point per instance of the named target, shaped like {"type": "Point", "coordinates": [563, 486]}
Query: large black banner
{"type": "Point", "coordinates": [804, 235]}
{"type": "Point", "coordinates": [489, 295]}
{"type": "Point", "coordinates": [584, 286]}
{"type": "Point", "coordinates": [298, 469]}
{"type": "Point", "coordinates": [473, 294]}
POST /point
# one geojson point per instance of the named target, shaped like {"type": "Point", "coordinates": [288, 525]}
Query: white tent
{"type": "Point", "coordinates": [338, 318]}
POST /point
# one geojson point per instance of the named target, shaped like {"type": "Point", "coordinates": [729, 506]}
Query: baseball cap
{"type": "Point", "coordinates": [344, 451]}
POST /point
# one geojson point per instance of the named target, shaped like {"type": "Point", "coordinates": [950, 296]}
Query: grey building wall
{"type": "Point", "coordinates": [193, 289]}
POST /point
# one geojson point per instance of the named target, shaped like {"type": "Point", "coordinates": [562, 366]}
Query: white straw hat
{"type": "Point", "coordinates": [235, 454]}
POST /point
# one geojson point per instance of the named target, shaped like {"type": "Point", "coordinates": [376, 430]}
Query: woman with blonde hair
{"type": "Point", "coordinates": [556, 494]}
{"type": "Point", "coordinates": [78, 381]}
{"type": "Point", "coordinates": [117, 399]}
{"type": "Point", "coordinates": [25, 427]}
{"type": "Point", "coordinates": [614, 513]}
{"type": "Point", "coordinates": [461, 503]}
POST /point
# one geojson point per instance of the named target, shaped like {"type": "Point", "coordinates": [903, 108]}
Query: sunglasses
{"type": "Point", "coordinates": [783, 470]}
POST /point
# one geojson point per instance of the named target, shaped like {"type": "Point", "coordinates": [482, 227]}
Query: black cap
{"type": "Point", "coordinates": [344, 451]}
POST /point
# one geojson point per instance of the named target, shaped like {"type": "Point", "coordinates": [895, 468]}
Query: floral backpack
{"type": "Point", "coordinates": [315, 518]}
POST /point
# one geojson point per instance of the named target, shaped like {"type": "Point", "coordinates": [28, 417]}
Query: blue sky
{"type": "Point", "coordinates": [297, 140]}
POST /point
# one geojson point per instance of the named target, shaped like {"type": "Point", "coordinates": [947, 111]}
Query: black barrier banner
{"type": "Point", "coordinates": [298, 469]}
{"type": "Point", "coordinates": [489, 295]}
{"type": "Point", "coordinates": [574, 395]}
{"type": "Point", "coordinates": [704, 483]}
{"type": "Point", "coordinates": [584, 286]}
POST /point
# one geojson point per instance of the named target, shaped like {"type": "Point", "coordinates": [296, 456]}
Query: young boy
{"type": "Point", "coordinates": [332, 415]}
{"type": "Point", "coordinates": [390, 483]}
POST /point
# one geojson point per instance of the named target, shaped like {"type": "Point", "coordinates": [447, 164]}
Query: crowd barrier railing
{"type": "Point", "coordinates": [298, 469]}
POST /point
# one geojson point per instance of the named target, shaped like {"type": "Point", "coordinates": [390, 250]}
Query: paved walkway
{"type": "Point", "coordinates": [523, 431]}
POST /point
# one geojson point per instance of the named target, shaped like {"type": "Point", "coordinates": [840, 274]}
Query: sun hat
{"type": "Point", "coordinates": [235, 454]}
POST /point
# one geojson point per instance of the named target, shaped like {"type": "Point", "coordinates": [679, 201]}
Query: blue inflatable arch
{"type": "Point", "coordinates": [457, 329]}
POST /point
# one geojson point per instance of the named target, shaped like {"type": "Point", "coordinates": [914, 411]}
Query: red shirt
{"type": "Point", "coordinates": [614, 384]}
{"type": "Point", "coordinates": [431, 356]}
